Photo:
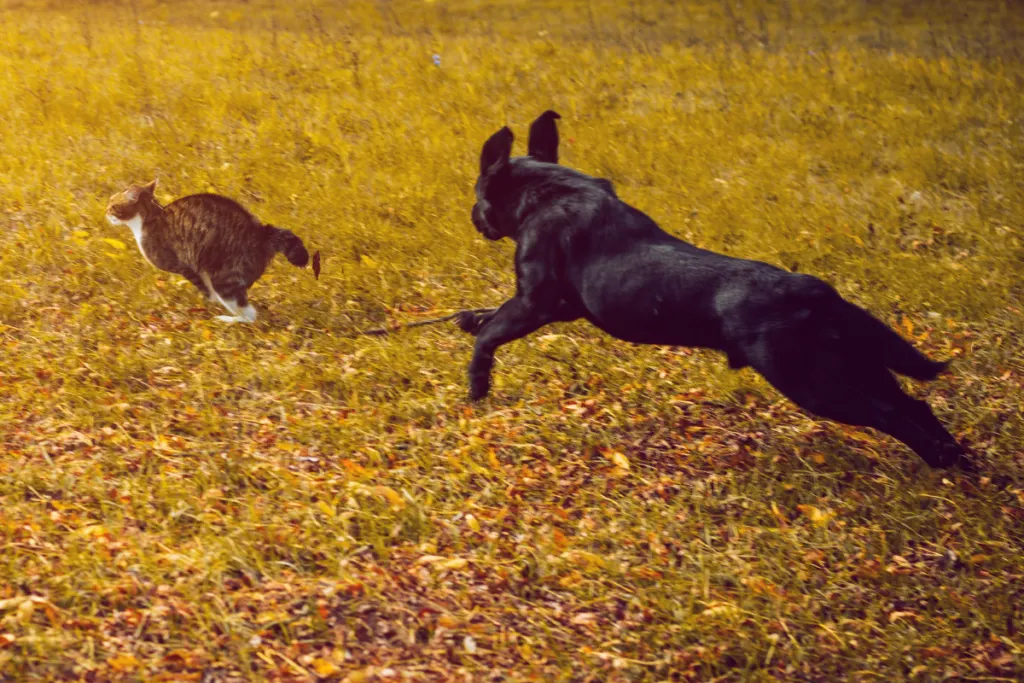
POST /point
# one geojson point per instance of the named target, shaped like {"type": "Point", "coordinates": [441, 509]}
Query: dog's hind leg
{"type": "Point", "coordinates": [831, 384]}
{"type": "Point", "coordinates": [915, 424]}
{"type": "Point", "coordinates": [874, 336]}
{"type": "Point", "coordinates": [736, 359]}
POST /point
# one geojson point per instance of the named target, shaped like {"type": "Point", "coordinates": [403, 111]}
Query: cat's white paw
{"type": "Point", "coordinates": [248, 314]}
{"type": "Point", "coordinates": [231, 319]}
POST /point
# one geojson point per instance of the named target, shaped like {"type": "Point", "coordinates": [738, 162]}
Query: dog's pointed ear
{"type": "Point", "coordinates": [543, 144]}
{"type": "Point", "coordinates": [496, 150]}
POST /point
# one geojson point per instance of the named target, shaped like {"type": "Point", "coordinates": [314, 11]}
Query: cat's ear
{"type": "Point", "coordinates": [136, 192]}
{"type": "Point", "coordinates": [496, 150]}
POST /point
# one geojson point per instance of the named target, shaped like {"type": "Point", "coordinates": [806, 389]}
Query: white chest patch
{"type": "Point", "coordinates": [135, 225]}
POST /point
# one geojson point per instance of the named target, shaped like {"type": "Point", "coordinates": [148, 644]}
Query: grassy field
{"type": "Point", "coordinates": [185, 500]}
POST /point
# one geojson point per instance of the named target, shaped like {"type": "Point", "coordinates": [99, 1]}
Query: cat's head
{"type": "Point", "coordinates": [126, 205]}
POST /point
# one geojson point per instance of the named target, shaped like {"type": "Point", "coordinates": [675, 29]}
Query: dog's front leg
{"type": "Point", "coordinates": [473, 322]}
{"type": "Point", "coordinates": [539, 300]}
{"type": "Point", "coordinates": [516, 318]}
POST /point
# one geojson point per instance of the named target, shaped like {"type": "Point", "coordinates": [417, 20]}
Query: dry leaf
{"type": "Point", "coordinates": [818, 517]}
{"type": "Point", "coordinates": [123, 663]}
{"type": "Point", "coordinates": [620, 460]}
{"type": "Point", "coordinates": [391, 496]}
{"type": "Point", "coordinates": [448, 621]}
{"type": "Point", "coordinates": [115, 243]}
{"type": "Point", "coordinates": [455, 563]}
{"type": "Point", "coordinates": [360, 676]}
{"type": "Point", "coordinates": [896, 616]}
{"type": "Point", "coordinates": [324, 668]}
{"type": "Point", "coordinates": [720, 609]}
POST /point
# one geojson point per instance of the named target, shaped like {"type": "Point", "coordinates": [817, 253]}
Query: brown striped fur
{"type": "Point", "coordinates": [210, 240]}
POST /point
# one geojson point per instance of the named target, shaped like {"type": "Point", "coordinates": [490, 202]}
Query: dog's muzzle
{"type": "Point", "coordinates": [482, 225]}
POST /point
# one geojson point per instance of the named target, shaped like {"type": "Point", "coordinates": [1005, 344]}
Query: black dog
{"type": "Point", "coordinates": [583, 253]}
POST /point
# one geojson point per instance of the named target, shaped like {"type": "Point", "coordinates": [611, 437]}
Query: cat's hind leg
{"type": "Point", "coordinates": [201, 282]}
{"type": "Point", "coordinates": [240, 312]}
{"type": "Point", "coordinates": [231, 293]}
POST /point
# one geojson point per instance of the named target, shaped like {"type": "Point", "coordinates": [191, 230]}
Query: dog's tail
{"type": "Point", "coordinates": [288, 243]}
{"type": "Point", "coordinates": [880, 340]}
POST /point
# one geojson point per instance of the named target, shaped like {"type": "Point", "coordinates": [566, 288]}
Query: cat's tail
{"type": "Point", "coordinates": [288, 243]}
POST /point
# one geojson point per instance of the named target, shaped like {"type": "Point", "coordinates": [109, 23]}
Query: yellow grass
{"type": "Point", "coordinates": [184, 500]}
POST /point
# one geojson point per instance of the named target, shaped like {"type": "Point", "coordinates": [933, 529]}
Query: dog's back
{"type": "Point", "coordinates": [640, 283]}
{"type": "Point", "coordinates": [632, 278]}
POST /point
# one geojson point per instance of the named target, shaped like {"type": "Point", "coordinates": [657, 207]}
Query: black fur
{"type": "Point", "coordinates": [543, 141]}
{"type": "Point", "coordinates": [583, 253]}
{"type": "Point", "coordinates": [288, 243]}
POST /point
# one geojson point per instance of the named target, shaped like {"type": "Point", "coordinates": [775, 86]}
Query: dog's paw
{"type": "Point", "coordinates": [478, 390]}
{"type": "Point", "coordinates": [966, 464]}
{"type": "Point", "coordinates": [471, 321]}
{"type": "Point", "coordinates": [953, 456]}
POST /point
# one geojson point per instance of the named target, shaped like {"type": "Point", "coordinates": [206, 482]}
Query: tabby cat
{"type": "Point", "coordinates": [211, 240]}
